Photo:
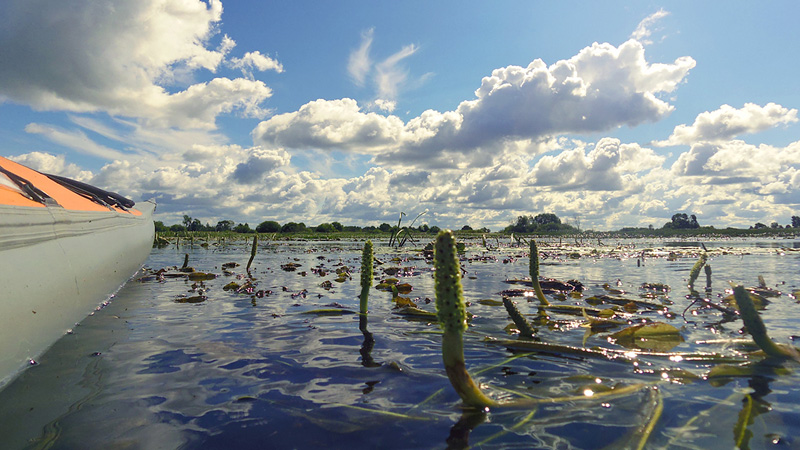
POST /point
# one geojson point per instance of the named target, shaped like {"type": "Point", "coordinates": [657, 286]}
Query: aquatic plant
{"type": "Point", "coordinates": [695, 272]}
{"type": "Point", "coordinates": [534, 269]}
{"type": "Point", "coordinates": [366, 275]}
{"type": "Point", "coordinates": [252, 252]}
{"type": "Point", "coordinates": [452, 314]}
{"type": "Point", "coordinates": [757, 329]}
{"type": "Point", "coordinates": [406, 231]}
{"type": "Point", "coordinates": [525, 330]}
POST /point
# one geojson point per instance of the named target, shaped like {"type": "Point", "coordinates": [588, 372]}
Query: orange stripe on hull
{"type": "Point", "coordinates": [65, 197]}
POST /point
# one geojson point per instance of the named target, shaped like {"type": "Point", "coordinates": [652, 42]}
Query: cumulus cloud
{"type": "Point", "coordinates": [255, 60]}
{"type": "Point", "coordinates": [720, 162]}
{"type": "Point", "coordinates": [601, 169]}
{"type": "Point", "coordinates": [728, 122]}
{"type": "Point", "coordinates": [120, 58]}
{"type": "Point", "coordinates": [330, 124]}
{"type": "Point", "coordinates": [259, 163]}
{"type": "Point", "coordinates": [54, 164]}
{"type": "Point", "coordinates": [600, 88]}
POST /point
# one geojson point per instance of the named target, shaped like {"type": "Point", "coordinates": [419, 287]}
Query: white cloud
{"type": "Point", "coordinates": [601, 169]}
{"type": "Point", "coordinates": [52, 164]}
{"type": "Point", "coordinates": [601, 88]}
{"type": "Point", "coordinates": [330, 124]}
{"type": "Point", "coordinates": [120, 58]}
{"type": "Point", "coordinates": [255, 60]}
{"type": "Point", "coordinates": [389, 76]}
{"type": "Point", "coordinates": [359, 64]}
{"type": "Point", "coordinates": [645, 28]}
{"type": "Point", "coordinates": [259, 163]}
{"type": "Point", "coordinates": [728, 122]}
{"type": "Point", "coordinates": [75, 140]}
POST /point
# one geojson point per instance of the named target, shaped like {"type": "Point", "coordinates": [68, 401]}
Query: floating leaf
{"type": "Point", "coordinates": [759, 302]}
{"type": "Point", "coordinates": [656, 336]}
{"type": "Point", "coordinates": [413, 311]}
{"type": "Point", "coordinates": [193, 299]}
{"type": "Point", "coordinates": [490, 302]}
{"type": "Point", "coordinates": [198, 276]}
{"type": "Point", "coordinates": [404, 288]}
{"type": "Point", "coordinates": [599, 323]}
{"type": "Point", "coordinates": [392, 271]}
{"type": "Point", "coordinates": [403, 301]}
{"type": "Point", "coordinates": [232, 286]}
{"type": "Point", "coordinates": [329, 312]}
{"type": "Point", "coordinates": [290, 267]}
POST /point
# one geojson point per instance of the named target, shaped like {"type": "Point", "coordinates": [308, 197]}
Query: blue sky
{"type": "Point", "coordinates": [608, 114]}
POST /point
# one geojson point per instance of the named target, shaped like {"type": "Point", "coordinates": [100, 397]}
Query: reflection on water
{"type": "Point", "coordinates": [240, 370]}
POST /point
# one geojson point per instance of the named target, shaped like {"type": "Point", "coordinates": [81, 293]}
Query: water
{"type": "Point", "coordinates": [243, 371]}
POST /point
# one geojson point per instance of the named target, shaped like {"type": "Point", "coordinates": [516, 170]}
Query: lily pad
{"type": "Point", "coordinates": [657, 336]}
{"type": "Point", "coordinates": [759, 302]}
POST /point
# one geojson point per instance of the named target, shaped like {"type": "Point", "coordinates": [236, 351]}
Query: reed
{"type": "Point", "coordinates": [534, 269]}
{"type": "Point", "coordinates": [755, 326]}
{"type": "Point", "coordinates": [695, 272]}
{"type": "Point", "coordinates": [252, 252]}
{"type": "Point", "coordinates": [366, 275]}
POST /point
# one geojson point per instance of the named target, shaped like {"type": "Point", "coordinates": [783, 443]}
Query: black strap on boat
{"type": "Point", "coordinates": [95, 194]}
{"type": "Point", "coordinates": [29, 190]}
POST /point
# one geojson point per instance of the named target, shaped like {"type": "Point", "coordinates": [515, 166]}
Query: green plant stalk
{"type": "Point", "coordinates": [695, 272]}
{"type": "Point", "coordinates": [252, 252]}
{"type": "Point", "coordinates": [366, 275]}
{"type": "Point", "coordinates": [740, 434]}
{"type": "Point", "coordinates": [708, 277]}
{"type": "Point", "coordinates": [656, 415]}
{"type": "Point", "coordinates": [452, 314]}
{"type": "Point", "coordinates": [756, 326]}
{"type": "Point", "coordinates": [522, 324]}
{"type": "Point", "coordinates": [534, 269]}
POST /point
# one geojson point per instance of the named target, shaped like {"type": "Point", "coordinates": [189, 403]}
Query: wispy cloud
{"type": "Point", "coordinates": [389, 75]}
{"type": "Point", "coordinates": [360, 64]}
{"type": "Point", "coordinates": [75, 140]}
{"type": "Point", "coordinates": [644, 30]}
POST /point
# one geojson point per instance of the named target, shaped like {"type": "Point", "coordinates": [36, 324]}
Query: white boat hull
{"type": "Point", "coordinates": [56, 267]}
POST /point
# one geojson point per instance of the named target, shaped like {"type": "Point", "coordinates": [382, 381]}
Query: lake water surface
{"type": "Point", "coordinates": [179, 363]}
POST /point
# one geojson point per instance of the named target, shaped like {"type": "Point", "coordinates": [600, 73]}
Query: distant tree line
{"type": "Point", "coordinates": [541, 223]}
{"type": "Point", "coordinates": [271, 226]}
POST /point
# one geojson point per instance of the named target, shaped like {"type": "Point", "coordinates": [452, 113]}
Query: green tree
{"type": "Point", "coordinates": [224, 225]}
{"type": "Point", "coordinates": [337, 226]}
{"type": "Point", "coordinates": [292, 227]}
{"type": "Point", "coordinates": [160, 227]}
{"type": "Point", "coordinates": [325, 228]}
{"type": "Point", "coordinates": [385, 227]}
{"type": "Point", "coordinates": [795, 222]}
{"type": "Point", "coordinates": [681, 221]}
{"type": "Point", "coordinates": [243, 228]}
{"type": "Point", "coordinates": [546, 218]}
{"type": "Point", "coordinates": [268, 226]}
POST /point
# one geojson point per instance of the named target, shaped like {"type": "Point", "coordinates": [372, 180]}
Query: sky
{"type": "Point", "coordinates": [608, 114]}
